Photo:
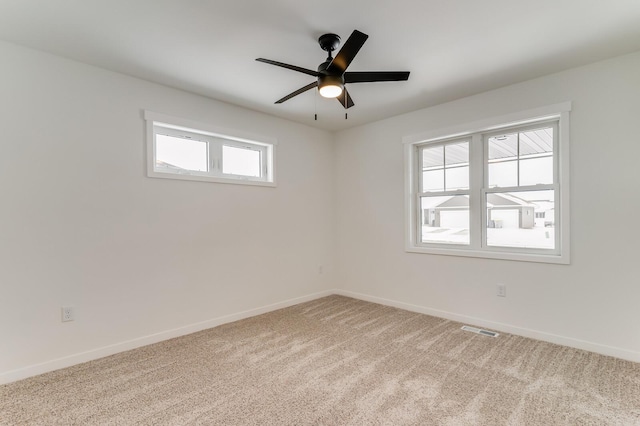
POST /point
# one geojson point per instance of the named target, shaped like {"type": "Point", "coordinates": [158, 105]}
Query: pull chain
{"type": "Point", "coordinates": [345, 103]}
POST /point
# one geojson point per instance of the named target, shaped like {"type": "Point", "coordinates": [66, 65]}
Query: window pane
{"type": "Point", "coordinates": [175, 155]}
{"type": "Point", "coordinates": [503, 147]}
{"type": "Point", "coordinates": [445, 219]}
{"type": "Point", "coordinates": [503, 156]}
{"type": "Point", "coordinates": [457, 166]}
{"type": "Point", "coordinates": [503, 174]}
{"type": "Point", "coordinates": [457, 153]}
{"type": "Point", "coordinates": [433, 180]}
{"type": "Point", "coordinates": [457, 178]}
{"type": "Point", "coordinates": [240, 161]}
{"type": "Point", "coordinates": [536, 171]}
{"type": "Point", "coordinates": [432, 169]}
{"type": "Point", "coordinates": [537, 141]}
{"type": "Point", "coordinates": [433, 157]}
{"type": "Point", "coordinates": [521, 219]}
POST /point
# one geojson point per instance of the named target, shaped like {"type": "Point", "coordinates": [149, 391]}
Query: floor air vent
{"type": "Point", "coordinates": [480, 331]}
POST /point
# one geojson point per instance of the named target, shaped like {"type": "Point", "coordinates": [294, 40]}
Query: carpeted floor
{"type": "Point", "coordinates": [335, 361]}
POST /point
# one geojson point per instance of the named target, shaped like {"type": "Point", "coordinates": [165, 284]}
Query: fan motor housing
{"type": "Point", "coordinates": [326, 79]}
{"type": "Point", "coordinates": [322, 68]}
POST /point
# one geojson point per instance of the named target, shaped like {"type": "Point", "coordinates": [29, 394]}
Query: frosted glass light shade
{"type": "Point", "coordinates": [330, 91]}
{"type": "Point", "coordinates": [330, 86]}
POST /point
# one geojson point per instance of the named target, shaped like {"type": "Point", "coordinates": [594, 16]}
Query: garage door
{"type": "Point", "coordinates": [509, 218]}
{"type": "Point", "coordinates": [454, 219]}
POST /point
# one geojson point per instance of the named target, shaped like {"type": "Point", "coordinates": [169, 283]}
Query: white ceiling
{"type": "Point", "coordinates": [453, 48]}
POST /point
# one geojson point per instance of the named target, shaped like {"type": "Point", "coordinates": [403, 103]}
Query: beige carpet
{"type": "Point", "coordinates": [335, 361]}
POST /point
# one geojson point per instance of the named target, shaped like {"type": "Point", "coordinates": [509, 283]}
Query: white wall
{"type": "Point", "coordinates": [81, 224]}
{"type": "Point", "coordinates": [143, 259]}
{"type": "Point", "coordinates": [593, 303]}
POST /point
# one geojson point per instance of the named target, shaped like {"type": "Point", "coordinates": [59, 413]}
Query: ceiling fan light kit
{"type": "Point", "coordinates": [330, 86]}
{"type": "Point", "coordinates": [332, 75]}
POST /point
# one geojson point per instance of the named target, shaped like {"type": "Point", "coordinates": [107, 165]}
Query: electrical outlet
{"type": "Point", "coordinates": [320, 269]}
{"type": "Point", "coordinates": [501, 290]}
{"type": "Point", "coordinates": [67, 313]}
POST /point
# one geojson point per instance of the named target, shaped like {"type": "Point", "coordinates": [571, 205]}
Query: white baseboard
{"type": "Point", "coordinates": [68, 361]}
{"type": "Point", "coordinates": [506, 328]}
{"type": "Point", "coordinates": [56, 364]}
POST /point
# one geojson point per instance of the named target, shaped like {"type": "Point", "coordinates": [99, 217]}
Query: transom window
{"type": "Point", "coordinates": [178, 151]}
{"type": "Point", "coordinates": [499, 192]}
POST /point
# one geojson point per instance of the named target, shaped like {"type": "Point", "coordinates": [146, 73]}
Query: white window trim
{"type": "Point", "coordinates": [412, 236]}
{"type": "Point", "coordinates": [235, 138]}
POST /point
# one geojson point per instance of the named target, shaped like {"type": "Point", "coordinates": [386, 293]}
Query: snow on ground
{"type": "Point", "coordinates": [537, 237]}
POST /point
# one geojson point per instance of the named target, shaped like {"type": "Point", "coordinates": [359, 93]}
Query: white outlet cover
{"type": "Point", "coordinates": [67, 313]}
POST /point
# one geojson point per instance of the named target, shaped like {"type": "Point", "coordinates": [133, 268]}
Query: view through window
{"type": "Point", "coordinates": [493, 193]}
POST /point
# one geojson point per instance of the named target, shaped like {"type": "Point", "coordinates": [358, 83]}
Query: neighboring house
{"type": "Point", "coordinates": [451, 213]}
{"type": "Point", "coordinates": [508, 211]}
{"type": "Point", "coordinates": [504, 211]}
{"type": "Point", "coordinates": [545, 213]}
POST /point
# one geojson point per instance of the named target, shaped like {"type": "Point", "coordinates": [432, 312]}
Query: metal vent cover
{"type": "Point", "coordinates": [480, 331]}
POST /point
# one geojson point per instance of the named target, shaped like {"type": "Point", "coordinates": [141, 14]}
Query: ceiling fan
{"type": "Point", "coordinates": [332, 75]}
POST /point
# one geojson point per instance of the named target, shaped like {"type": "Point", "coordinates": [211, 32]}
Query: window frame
{"type": "Point", "coordinates": [216, 138]}
{"type": "Point", "coordinates": [478, 133]}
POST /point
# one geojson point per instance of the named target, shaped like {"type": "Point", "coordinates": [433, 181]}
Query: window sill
{"type": "Point", "coordinates": [200, 178]}
{"type": "Point", "coordinates": [488, 254]}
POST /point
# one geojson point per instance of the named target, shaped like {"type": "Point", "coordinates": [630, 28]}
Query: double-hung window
{"type": "Point", "coordinates": [496, 189]}
{"type": "Point", "coordinates": [177, 149]}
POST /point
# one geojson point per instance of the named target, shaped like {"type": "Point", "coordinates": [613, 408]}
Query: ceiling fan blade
{"type": "Point", "coordinates": [287, 66]}
{"type": "Point", "coordinates": [347, 53]}
{"type": "Point", "coordinates": [297, 92]}
{"type": "Point", "coordinates": [372, 76]}
{"type": "Point", "coordinates": [341, 97]}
